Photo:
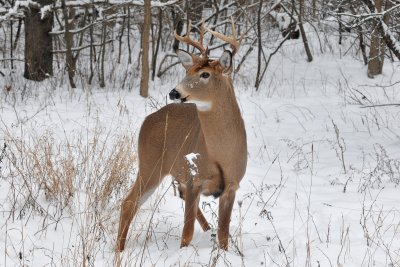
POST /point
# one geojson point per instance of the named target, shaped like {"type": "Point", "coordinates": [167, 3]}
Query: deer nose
{"type": "Point", "coordinates": [174, 94]}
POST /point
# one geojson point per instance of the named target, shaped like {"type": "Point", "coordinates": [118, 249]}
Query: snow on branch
{"type": "Point", "coordinates": [3, 10]}
{"type": "Point", "coordinates": [390, 40]}
{"type": "Point", "coordinates": [15, 11]}
{"type": "Point", "coordinates": [25, 4]}
{"type": "Point", "coordinates": [359, 19]}
{"type": "Point", "coordinates": [11, 15]}
{"type": "Point", "coordinates": [77, 49]}
{"type": "Point", "coordinates": [46, 10]}
{"type": "Point", "coordinates": [119, 2]}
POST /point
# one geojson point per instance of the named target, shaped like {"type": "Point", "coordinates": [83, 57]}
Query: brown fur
{"type": "Point", "coordinates": [205, 65]}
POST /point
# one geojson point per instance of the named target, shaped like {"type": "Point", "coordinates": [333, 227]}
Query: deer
{"type": "Point", "coordinates": [206, 121]}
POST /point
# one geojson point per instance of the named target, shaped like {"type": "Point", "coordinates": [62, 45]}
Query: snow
{"type": "Point", "coordinates": [45, 10]}
{"type": "Point", "coordinates": [321, 186]}
{"type": "Point", "coordinates": [192, 165]}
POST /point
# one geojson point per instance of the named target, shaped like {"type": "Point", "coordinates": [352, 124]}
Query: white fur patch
{"type": "Point", "coordinates": [226, 60]}
{"type": "Point", "coordinates": [201, 105]}
{"type": "Point", "coordinates": [185, 58]}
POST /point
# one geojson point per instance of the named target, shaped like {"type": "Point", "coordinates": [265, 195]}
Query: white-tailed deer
{"type": "Point", "coordinates": [211, 127]}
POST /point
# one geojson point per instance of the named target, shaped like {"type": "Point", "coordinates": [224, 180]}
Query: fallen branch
{"type": "Point", "coordinates": [379, 85]}
{"type": "Point", "coordinates": [382, 105]}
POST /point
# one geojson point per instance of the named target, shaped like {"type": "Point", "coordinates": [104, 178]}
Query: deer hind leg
{"type": "Point", "coordinates": [199, 216]}
{"type": "Point", "coordinates": [226, 202]}
{"type": "Point", "coordinates": [141, 190]}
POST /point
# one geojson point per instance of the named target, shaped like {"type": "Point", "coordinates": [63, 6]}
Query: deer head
{"type": "Point", "coordinates": [204, 76]}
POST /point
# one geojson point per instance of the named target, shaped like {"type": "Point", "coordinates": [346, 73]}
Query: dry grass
{"type": "Point", "coordinates": [100, 168]}
{"type": "Point", "coordinates": [79, 180]}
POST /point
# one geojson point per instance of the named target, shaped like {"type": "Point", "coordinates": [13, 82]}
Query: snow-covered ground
{"type": "Point", "coordinates": [321, 187]}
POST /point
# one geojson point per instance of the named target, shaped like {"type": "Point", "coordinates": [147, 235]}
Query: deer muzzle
{"type": "Point", "coordinates": [174, 94]}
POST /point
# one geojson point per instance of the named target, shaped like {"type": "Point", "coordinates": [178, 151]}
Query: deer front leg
{"type": "Point", "coordinates": [191, 212]}
{"type": "Point", "coordinates": [199, 216]}
{"type": "Point", "coordinates": [224, 213]}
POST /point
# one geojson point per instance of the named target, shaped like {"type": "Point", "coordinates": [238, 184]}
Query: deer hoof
{"type": "Point", "coordinates": [184, 243]}
{"type": "Point", "coordinates": [223, 242]}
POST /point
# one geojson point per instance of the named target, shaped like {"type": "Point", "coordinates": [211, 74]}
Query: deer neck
{"type": "Point", "coordinates": [223, 126]}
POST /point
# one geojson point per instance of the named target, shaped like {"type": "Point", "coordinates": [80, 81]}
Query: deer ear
{"type": "Point", "coordinates": [226, 60]}
{"type": "Point", "coordinates": [185, 58]}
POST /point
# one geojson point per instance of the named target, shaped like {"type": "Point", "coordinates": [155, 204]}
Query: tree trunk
{"type": "Point", "coordinates": [129, 37]}
{"type": "Point", "coordinates": [259, 39]}
{"type": "Point", "coordinates": [102, 81]}
{"type": "Point", "coordinates": [120, 36]}
{"type": "Point", "coordinates": [375, 61]}
{"type": "Point", "coordinates": [11, 44]}
{"type": "Point", "coordinates": [303, 33]}
{"type": "Point", "coordinates": [178, 24]}
{"type": "Point", "coordinates": [92, 52]}
{"type": "Point", "coordinates": [38, 43]}
{"type": "Point", "coordinates": [144, 81]}
{"type": "Point", "coordinates": [18, 34]}
{"type": "Point", "coordinates": [314, 9]}
{"type": "Point", "coordinates": [69, 42]}
{"type": "Point", "coordinates": [362, 45]}
{"type": "Point", "coordinates": [155, 55]}
{"type": "Point", "coordinates": [340, 10]}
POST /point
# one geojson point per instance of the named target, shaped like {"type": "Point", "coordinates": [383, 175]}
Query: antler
{"type": "Point", "coordinates": [232, 40]}
{"type": "Point", "coordinates": [190, 41]}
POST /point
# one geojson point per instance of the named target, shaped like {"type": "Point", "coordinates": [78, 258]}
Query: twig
{"type": "Point", "coordinates": [378, 85]}
{"type": "Point", "coordinates": [382, 105]}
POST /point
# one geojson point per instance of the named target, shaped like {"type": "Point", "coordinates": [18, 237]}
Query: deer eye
{"type": "Point", "coordinates": [205, 75]}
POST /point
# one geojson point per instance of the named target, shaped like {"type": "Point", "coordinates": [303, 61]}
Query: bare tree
{"type": "Point", "coordinates": [259, 52]}
{"type": "Point", "coordinates": [38, 42]}
{"type": "Point", "coordinates": [144, 80]}
{"type": "Point", "coordinates": [303, 33]}
{"type": "Point", "coordinates": [69, 41]}
{"type": "Point", "coordinates": [155, 54]}
{"type": "Point", "coordinates": [375, 61]}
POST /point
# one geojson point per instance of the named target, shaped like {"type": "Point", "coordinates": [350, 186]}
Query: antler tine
{"type": "Point", "coordinates": [234, 34]}
{"type": "Point", "coordinates": [232, 40]}
{"type": "Point", "coordinates": [201, 32]}
{"type": "Point", "coordinates": [190, 41]}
